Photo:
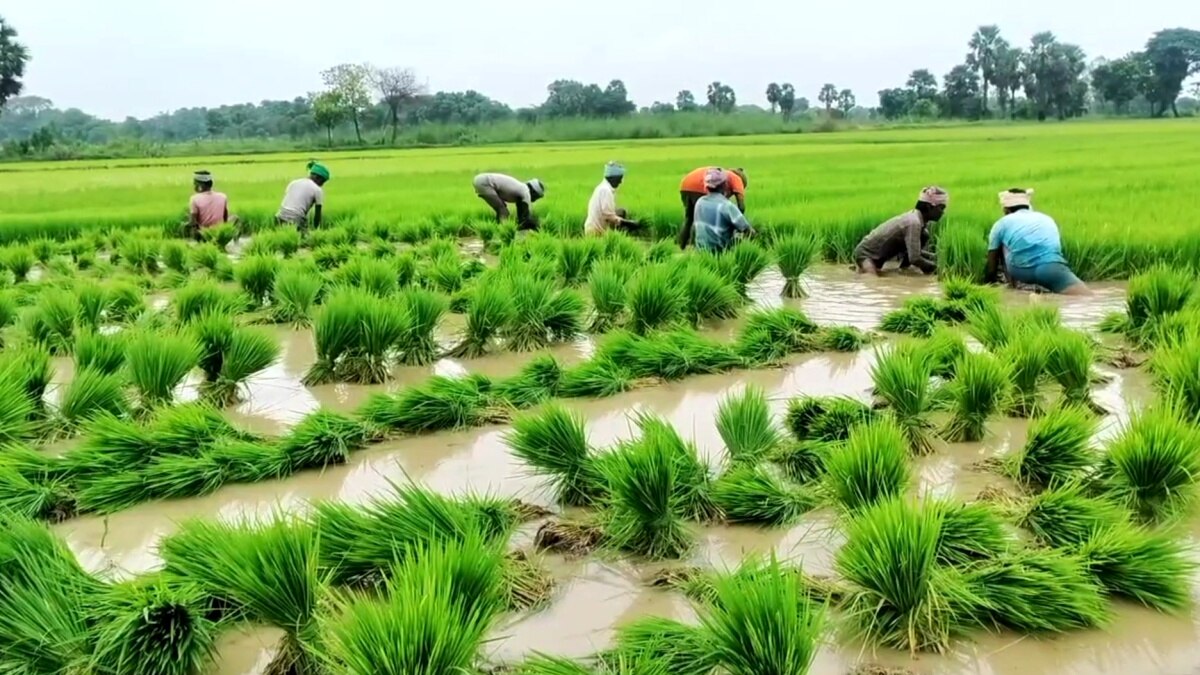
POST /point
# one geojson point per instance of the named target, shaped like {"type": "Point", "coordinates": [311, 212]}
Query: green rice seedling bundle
{"type": "Point", "coordinates": [207, 256]}
{"type": "Point", "coordinates": [970, 533]}
{"type": "Point", "coordinates": [943, 350]}
{"type": "Point", "coordinates": [19, 260]}
{"type": "Point", "coordinates": [168, 477]}
{"type": "Point", "coordinates": [377, 277]}
{"type": "Point", "coordinates": [432, 617]}
{"type": "Point", "coordinates": [763, 623]}
{"type": "Point", "coordinates": [1028, 357]}
{"type": "Point", "coordinates": [669, 355]}
{"type": "Point", "coordinates": [744, 262]}
{"type": "Point", "coordinates": [842, 339]}
{"type": "Point", "coordinates": [405, 266]}
{"type": "Point", "coordinates": [616, 245]}
{"type": "Point", "coordinates": [654, 299]}
{"type": "Point", "coordinates": [43, 249]}
{"type": "Point", "coordinates": [537, 382]}
{"type": "Point", "coordinates": [553, 442]}
{"type": "Point", "coordinates": [201, 297]}
{"type": "Point", "coordinates": [422, 311]}
{"type": "Point", "coordinates": [1071, 356]}
{"type": "Point", "coordinates": [709, 296]}
{"type": "Point", "coordinates": [243, 461]}
{"type": "Point", "coordinates": [30, 368]}
{"type": "Point", "coordinates": [175, 256]}
{"type": "Point", "coordinates": [803, 462]}
{"type": "Point", "coordinates": [794, 254]}
{"type": "Point", "coordinates": [962, 253]}
{"type": "Point", "coordinates": [747, 427]}
{"type": "Point", "coordinates": [1172, 330]}
{"type": "Point", "coordinates": [267, 571]}
{"type": "Point", "coordinates": [900, 596]}
{"type": "Point", "coordinates": [248, 351]}
{"type": "Point", "coordinates": [1152, 468]}
{"type": "Point", "coordinates": [661, 251]}
{"type": "Point", "coordinates": [979, 391]}
{"type": "Point", "coordinates": [8, 309]}
{"type": "Point", "coordinates": [188, 428]}
{"type": "Point", "coordinates": [157, 362]}
{"type": "Point", "coordinates": [35, 497]}
{"type": "Point", "coordinates": [256, 275]}
{"type": "Point", "coordinates": [439, 403]}
{"type": "Point", "coordinates": [825, 418]}
{"type": "Point", "coordinates": [644, 508]}
{"type": "Point", "coordinates": [1038, 591]}
{"type": "Point", "coordinates": [92, 392]}
{"type": "Point", "coordinates": [695, 479]}
{"type": "Point", "coordinates": [872, 467]}
{"type": "Point", "coordinates": [991, 326]}
{"type": "Point", "coordinates": [1157, 293]}
{"type": "Point", "coordinates": [321, 439]}
{"type": "Point", "coordinates": [575, 259]}
{"type": "Point", "coordinates": [354, 334]}
{"type": "Point", "coordinates": [917, 316]}
{"type": "Point", "coordinates": [294, 295]}
{"type": "Point", "coordinates": [331, 257]}
{"type": "Point", "coordinates": [595, 378]}
{"type": "Point", "coordinates": [1176, 370]}
{"type": "Point", "coordinates": [152, 625]}
{"type": "Point", "coordinates": [490, 310]}
{"type": "Point", "coordinates": [674, 646]}
{"type": "Point", "coordinates": [1150, 568]}
{"type": "Point", "coordinates": [126, 302]}
{"type": "Point", "coordinates": [962, 295]}
{"type": "Point", "coordinates": [607, 285]}
{"type": "Point", "coordinates": [92, 301]}
{"type": "Point", "coordinates": [220, 235]}
{"type": "Point", "coordinates": [771, 335]}
{"type": "Point", "coordinates": [541, 313]}
{"type": "Point", "coordinates": [52, 321]}
{"type": "Point", "coordinates": [1058, 449]}
{"type": "Point", "coordinates": [1067, 516]}
{"type": "Point", "coordinates": [140, 255]}
{"type": "Point", "coordinates": [758, 494]}
{"type": "Point", "coordinates": [902, 379]}
{"type": "Point", "coordinates": [445, 273]}
{"type": "Point", "coordinates": [284, 241]}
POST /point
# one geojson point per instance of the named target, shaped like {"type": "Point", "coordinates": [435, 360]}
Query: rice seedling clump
{"type": "Point", "coordinates": [771, 335]}
{"type": "Point", "coordinates": [979, 391]}
{"type": "Point", "coordinates": [554, 443]}
{"type": "Point", "coordinates": [826, 418]}
{"type": "Point", "coordinates": [1066, 516]}
{"type": "Point", "coordinates": [654, 299]}
{"type": "Point", "coordinates": [1153, 466]}
{"type": "Point", "coordinates": [1147, 567]}
{"type": "Point", "coordinates": [872, 467]}
{"type": "Point", "coordinates": [354, 333]}
{"type": "Point", "coordinates": [607, 285]}
{"type": "Point", "coordinates": [1028, 357]}
{"type": "Point", "coordinates": [1058, 449]}
{"type": "Point", "coordinates": [902, 379]}
{"type": "Point", "coordinates": [1038, 591]}
{"type": "Point", "coordinates": [644, 510]}
{"type": "Point", "coordinates": [757, 494]}
{"type": "Point", "coordinates": [794, 254]}
{"type": "Point", "coordinates": [153, 625]}
{"type": "Point", "coordinates": [747, 427]}
{"type": "Point", "coordinates": [158, 362]}
{"type": "Point", "coordinates": [491, 309]}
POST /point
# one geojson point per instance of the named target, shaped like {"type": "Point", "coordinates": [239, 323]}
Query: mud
{"type": "Point", "coordinates": [596, 596]}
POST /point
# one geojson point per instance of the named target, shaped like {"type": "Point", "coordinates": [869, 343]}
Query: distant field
{"type": "Point", "coordinates": [1123, 192]}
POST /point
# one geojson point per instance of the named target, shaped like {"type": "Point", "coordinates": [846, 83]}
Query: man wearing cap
{"type": "Point", "coordinates": [207, 208]}
{"type": "Point", "coordinates": [499, 190]}
{"type": "Point", "coordinates": [1031, 247]}
{"type": "Point", "coordinates": [692, 189]}
{"type": "Point", "coordinates": [717, 218]}
{"type": "Point", "coordinates": [904, 236]}
{"type": "Point", "coordinates": [603, 213]}
{"type": "Point", "coordinates": [302, 195]}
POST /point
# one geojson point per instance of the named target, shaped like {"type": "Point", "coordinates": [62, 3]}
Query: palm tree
{"type": "Point", "coordinates": [982, 58]}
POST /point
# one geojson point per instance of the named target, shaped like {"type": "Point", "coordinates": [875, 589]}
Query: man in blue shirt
{"type": "Point", "coordinates": [717, 218]}
{"type": "Point", "coordinates": [1030, 244]}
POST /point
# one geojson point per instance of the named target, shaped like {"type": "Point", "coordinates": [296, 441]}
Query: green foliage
{"type": "Point", "coordinates": [757, 494]}
{"type": "Point", "coordinates": [654, 299]}
{"type": "Point", "coordinates": [256, 275]}
{"type": "Point", "coordinates": [554, 443]}
{"type": "Point", "coordinates": [157, 364]}
{"type": "Point", "coordinates": [1058, 449]}
{"type": "Point", "coordinates": [1153, 466]}
{"type": "Point", "coordinates": [1039, 591]}
{"type": "Point", "coordinates": [979, 391]}
{"type": "Point", "coordinates": [902, 379]}
{"type": "Point", "coordinates": [607, 285]}
{"type": "Point", "coordinates": [746, 426]}
{"type": "Point", "coordinates": [794, 254]}
{"type": "Point", "coordinates": [872, 467]}
{"type": "Point", "coordinates": [491, 309]}
{"type": "Point", "coordinates": [771, 335]}
{"type": "Point", "coordinates": [153, 625]}
{"type": "Point", "coordinates": [644, 507]}
{"type": "Point", "coordinates": [294, 295]}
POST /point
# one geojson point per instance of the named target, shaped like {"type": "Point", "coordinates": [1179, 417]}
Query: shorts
{"type": "Point", "coordinates": [1055, 277]}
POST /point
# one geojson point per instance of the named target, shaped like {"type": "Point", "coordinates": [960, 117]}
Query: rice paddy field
{"type": "Point", "coordinates": [418, 442]}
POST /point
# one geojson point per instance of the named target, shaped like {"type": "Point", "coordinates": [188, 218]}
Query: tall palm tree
{"type": "Point", "coordinates": [984, 44]}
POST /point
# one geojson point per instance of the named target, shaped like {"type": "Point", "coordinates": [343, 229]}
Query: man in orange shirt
{"type": "Point", "coordinates": [692, 189]}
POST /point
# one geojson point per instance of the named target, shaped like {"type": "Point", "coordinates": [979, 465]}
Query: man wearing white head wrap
{"type": "Point", "coordinates": [1031, 247]}
{"type": "Point", "coordinates": [499, 190]}
{"type": "Point", "coordinates": [207, 207]}
{"type": "Point", "coordinates": [602, 211]}
{"type": "Point", "coordinates": [904, 237]}
{"type": "Point", "coordinates": [717, 218]}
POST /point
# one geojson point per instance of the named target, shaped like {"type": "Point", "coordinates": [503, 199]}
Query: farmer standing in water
{"type": "Point", "coordinates": [602, 213]}
{"type": "Point", "coordinates": [207, 207]}
{"type": "Point", "coordinates": [904, 236]}
{"type": "Point", "coordinates": [717, 218]}
{"type": "Point", "coordinates": [499, 190]}
{"type": "Point", "coordinates": [1031, 247]}
{"type": "Point", "coordinates": [304, 195]}
{"type": "Point", "coordinates": [692, 189]}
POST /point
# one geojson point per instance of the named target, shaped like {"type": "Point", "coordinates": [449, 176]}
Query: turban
{"type": "Point", "coordinates": [1010, 199]}
{"type": "Point", "coordinates": [537, 188]}
{"type": "Point", "coordinates": [202, 177]}
{"type": "Point", "coordinates": [714, 178]}
{"type": "Point", "coordinates": [934, 195]}
{"type": "Point", "coordinates": [318, 169]}
{"type": "Point", "coordinates": [613, 170]}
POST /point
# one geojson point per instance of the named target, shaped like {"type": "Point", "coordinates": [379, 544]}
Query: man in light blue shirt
{"type": "Point", "coordinates": [717, 218]}
{"type": "Point", "coordinates": [1030, 244]}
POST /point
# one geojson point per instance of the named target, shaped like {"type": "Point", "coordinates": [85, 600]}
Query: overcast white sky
{"type": "Point", "coordinates": [141, 57]}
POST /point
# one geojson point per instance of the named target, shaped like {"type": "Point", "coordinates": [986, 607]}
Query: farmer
{"type": "Point", "coordinates": [1031, 247]}
{"type": "Point", "coordinates": [602, 213]}
{"type": "Point", "coordinates": [717, 218]}
{"type": "Point", "coordinates": [904, 236]}
{"type": "Point", "coordinates": [302, 195]}
{"type": "Point", "coordinates": [499, 190]}
{"type": "Point", "coordinates": [692, 189]}
{"type": "Point", "coordinates": [206, 208]}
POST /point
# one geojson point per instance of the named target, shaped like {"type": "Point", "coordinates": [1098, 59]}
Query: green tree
{"type": "Point", "coordinates": [960, 95]}
{"type": "Point", "coordinates": [828, 97]}
{"type": "Point", "coordinates": [1007, 75]}
{"type": "Point", "coordinates": [984, 45]}
{"type": "Point", "coordinates": [923, 85]}
{"type": "Point", "coordinates": [721, 98]}
{"type": "Point", "coordinates": [350, 81]}
{"type": "Point", "coordinates": [329, 110]}
{"type": "Point", "coordinates": [13, 57]}
{"type": "Point", "coordinates": [1122, 80]}
{"type": "Point", "coordinates": [1053, 77]}
{"type": "Point", "coordinates": [773, 94]}
{"type": "Point", "coordinates": [615, 101]}
{"type": "Point", "coordinates": [397, 87]}
{"type": "Point", "coordinates": [1174, 56]}
{"type": "Point", "coordinates": [895, 103]}
{"type": "Point", "coordinates": [685, 101]}
{"type": "Point", "coordinates": [846, 102]}
{"type": "Point", "coordinates": [787, 100]}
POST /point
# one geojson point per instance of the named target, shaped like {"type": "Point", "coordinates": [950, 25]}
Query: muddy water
{"type": "Point", "coordinates": [597, 596]}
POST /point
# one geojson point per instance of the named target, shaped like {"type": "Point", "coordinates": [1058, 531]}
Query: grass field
{"type": "Point", "coordinates": [1121, 191]}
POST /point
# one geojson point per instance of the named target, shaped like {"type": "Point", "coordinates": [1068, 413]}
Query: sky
{"type": "Point", "coordinates": [143, 57]}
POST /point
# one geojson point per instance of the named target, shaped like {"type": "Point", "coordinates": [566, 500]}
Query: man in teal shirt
{"type": "Point", "coordinates": [1031, 246]}
{"type": "Point", "coordinates": [717, 218]}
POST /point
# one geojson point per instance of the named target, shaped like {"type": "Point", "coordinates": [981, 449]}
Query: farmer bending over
{"type": "Point", "coordinates": [692, 189]}
{"type": "Point", "coordinates": [302, 195]}
{"type": "Point", "coordinates": [499, 190]}
{"type": "Point", "coordinates": [904, 236]}
{"type": "Point", "coordinates": [717, 218]}
{"type": "Point", "coordinates": [1031, 247]}
{"type": "Point", "coordinates": [603, 213]}
{"type": "Point", "coordinates": [207, 208]}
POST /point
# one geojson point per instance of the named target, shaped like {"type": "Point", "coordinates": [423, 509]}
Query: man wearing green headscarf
{"type": "Point", "coordinates": [302, 195]}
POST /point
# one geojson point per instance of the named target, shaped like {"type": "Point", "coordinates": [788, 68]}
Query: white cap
{"type": "Point", "coordinates": [537, 188]}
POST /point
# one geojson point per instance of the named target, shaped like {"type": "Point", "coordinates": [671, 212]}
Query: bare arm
{"type": "Point", "coordinates": [741, 201]}
{"type": "Point", "coordinates": [685, 235]}
{"type": "Point", "coordinates": [316, 216]}
{"type": "Point", "coordinates": [525, 218]}
{"type": "Point", "coordinates": [912, 240]}
{"type": "Point", "coordinates": [993, 267]}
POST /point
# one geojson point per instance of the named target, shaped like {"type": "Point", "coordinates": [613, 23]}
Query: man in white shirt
{"type": "Point", "coordinates": [304, 195]}
{"type": "Point", "coordinates": [603, 213]}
